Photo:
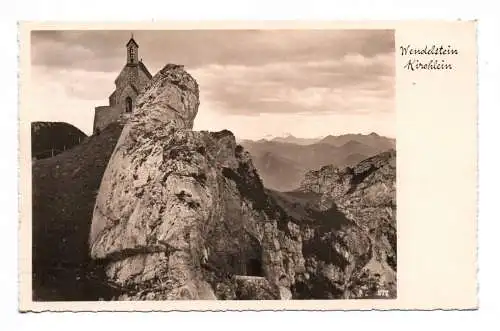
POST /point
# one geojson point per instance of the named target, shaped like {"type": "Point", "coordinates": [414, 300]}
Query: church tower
{"type": "Point", "coordinates": [131, 80]}
{"type": "Point", "coordinates": [132, 51]}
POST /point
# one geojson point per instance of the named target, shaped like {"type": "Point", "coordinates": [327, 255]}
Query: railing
{"type": "Point", "coordinates": [51, 152]}
{"type": "Point", "coordinates": [48, 153]}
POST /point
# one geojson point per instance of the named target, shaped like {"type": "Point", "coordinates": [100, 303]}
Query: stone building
{"type": "Point", "coordinates": [129, 83]}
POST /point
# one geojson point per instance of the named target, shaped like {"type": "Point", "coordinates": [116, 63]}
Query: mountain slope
{"type": "Point", "coordinates": [347, 220]}
{"type": "Point", "coordinates": [366, 195]}
{"type": "Point", "coordinates": [64, 192]}
{"type": "Point", "coordinates": [51, 138]}
{"type": "Point", "coordinates": [278, 172]}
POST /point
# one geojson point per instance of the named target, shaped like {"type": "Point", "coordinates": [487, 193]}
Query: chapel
{"type": "Point", "coordinates": [128, 84]}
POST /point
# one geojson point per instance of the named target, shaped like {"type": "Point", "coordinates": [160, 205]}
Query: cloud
{"type": "Point", "coordinates": [52, 99]}
{"type": "Point", "coordinates": [96, 50]}
{"type": "Point", "coordinates": [244, 73]}
{"type": "Point", "coordinates": [77, 83]}
{"type": "Point", "coordinates": [353, 83]}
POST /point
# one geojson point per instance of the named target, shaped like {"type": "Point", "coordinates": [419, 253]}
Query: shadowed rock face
{"type": "Point", "coordinates": [366, 195]}
{"type": "Point", "coordinates": [179, 212]}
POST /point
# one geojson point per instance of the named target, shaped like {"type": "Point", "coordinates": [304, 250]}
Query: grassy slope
{"type": "Point", "coordinates": [64, 192]}
{"type": "Point", "coordinates": [53, 137]}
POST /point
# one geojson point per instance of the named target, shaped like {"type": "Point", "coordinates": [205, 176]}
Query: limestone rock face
{"type": "Point", "coordinates": [180, 213]}
{"type": "Point", "coordinates": [366, 195]}
{"type": "Point", "coordinates": [172, 96]}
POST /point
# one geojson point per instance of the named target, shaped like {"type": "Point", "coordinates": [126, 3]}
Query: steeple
{"type": "Point", "coordinates": [132, 51]}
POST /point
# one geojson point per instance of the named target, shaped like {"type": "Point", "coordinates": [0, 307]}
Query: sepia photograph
{"type": "Point", "coordinates": [316, 164]}
{"type": "Point", "coordinates": [247, 164]}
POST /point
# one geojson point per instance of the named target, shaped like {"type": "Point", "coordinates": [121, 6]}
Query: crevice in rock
{"type": "Point", "coordinates": [358, 178]}
{"type": "Point", "coordinates": [161, 247]}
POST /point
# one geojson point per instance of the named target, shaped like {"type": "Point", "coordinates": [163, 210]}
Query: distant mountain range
{"type": "Point", "coordinates": [372, 140]}
{"type": "Point", "coordinates": [294, 140]}
{"type": "Point", "coordinates": [282, 162]}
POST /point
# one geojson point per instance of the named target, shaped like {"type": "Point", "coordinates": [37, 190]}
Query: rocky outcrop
{"type": "Point", "coordinates": [366, 195]}
{"type": "Point", "coordinates": [180, 213]}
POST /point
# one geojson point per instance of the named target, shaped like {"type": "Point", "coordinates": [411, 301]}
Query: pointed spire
{"type": "Point", "coordinates": [132, 40]}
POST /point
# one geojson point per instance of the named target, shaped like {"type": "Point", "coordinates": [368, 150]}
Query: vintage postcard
{"type": "Point", "coordinates": [247, 166]}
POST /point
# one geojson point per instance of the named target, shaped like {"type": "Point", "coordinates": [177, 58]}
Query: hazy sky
{"type": "Point", "coordinates": [255, 83]}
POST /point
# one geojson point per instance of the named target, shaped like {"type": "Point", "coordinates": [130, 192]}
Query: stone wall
{"type": "Point", "coordinates": [126, 76]}
{"type": "Point", "coordinates": [105, 115]}
{"type": "Point", "coordinates": [142, 80]}
{"type": "Point", "coordinates": [130, 74]}
{"type": "Point", "coordinates": [121, 96]}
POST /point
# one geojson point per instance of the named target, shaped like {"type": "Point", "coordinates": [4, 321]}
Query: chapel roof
{"type": "Point", "coordinates": [146, 71]}
{"type": "Point", "coordinates": [132, 41]}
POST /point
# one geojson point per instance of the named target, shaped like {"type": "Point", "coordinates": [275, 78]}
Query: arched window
{"type": "Point", "coordinates": [128, 105]}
